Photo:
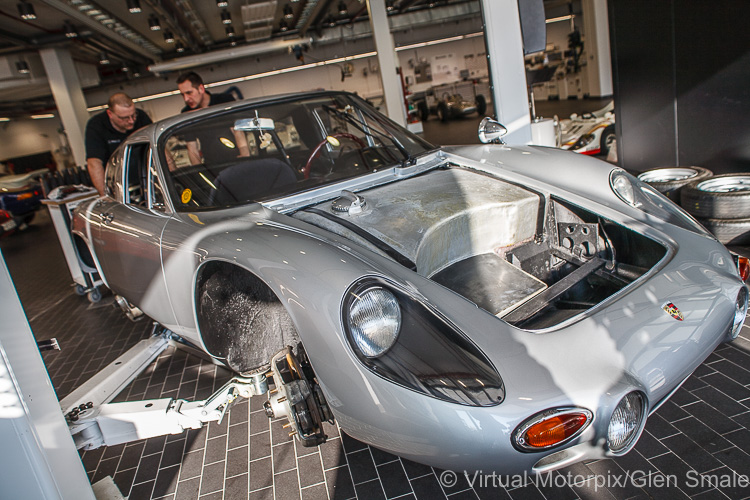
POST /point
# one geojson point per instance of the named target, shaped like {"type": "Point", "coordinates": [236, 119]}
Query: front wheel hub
{"type": "Point", "coordinates": [298, 398]}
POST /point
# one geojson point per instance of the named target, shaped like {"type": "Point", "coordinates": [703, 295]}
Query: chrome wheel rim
{"type": "Point", "coordinates": [731, 184]}
{"type": "Point", "coordinates": [668, 174]}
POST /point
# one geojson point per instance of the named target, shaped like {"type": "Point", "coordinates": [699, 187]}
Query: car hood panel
{"type": "Point", "coordinates": [443, 216]}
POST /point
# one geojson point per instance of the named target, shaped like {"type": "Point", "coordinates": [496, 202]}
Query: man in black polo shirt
{"type": "Point", "coordinates": [195, 94]}
{"type": "Point", "coordinates": [106, 130]}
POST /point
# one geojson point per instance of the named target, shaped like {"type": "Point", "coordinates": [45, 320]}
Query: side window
{"type": "Point", "coordinates": [136, 174]}
{"type": "Point", "coordinates": [113, 175]}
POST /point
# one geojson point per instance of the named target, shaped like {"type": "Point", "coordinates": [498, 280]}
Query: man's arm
{"type": "Point", "coordinates": [96, 171]}
{"type": "Point", "coordinates": [194, 154]}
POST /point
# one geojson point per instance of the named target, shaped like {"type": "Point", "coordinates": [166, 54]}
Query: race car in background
{"type": "Point", "coordinates": [591, 133]}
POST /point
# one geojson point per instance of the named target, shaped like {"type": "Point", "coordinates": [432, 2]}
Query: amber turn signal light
{"type": "Point", "coordinates": [551, 428]}
{"type": "Point", "coordinates": [743, 265]}
{"type": "Point", "coordinates": [554, 430]}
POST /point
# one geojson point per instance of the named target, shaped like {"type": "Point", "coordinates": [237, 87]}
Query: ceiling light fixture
{"type": "Point", "coordinates": [221, 3]}
{"type": "Point", "coordinates": [27, 11]}
{"type": "Point", "coordinates": [153, 23]}
{"type": "Point", "coordinates": [288, 12]}
{"type": "Point", "coordinates": [226, 17]}
{"type": "Point", "coordinates": [283, 26]}
{"type": "Point", "coordinates": [70, 30]}
{"type": "Point", "coordinates": [103, 58]}
{"type": "Point", "coordinates": [331, 21]}
{"type": "Point", "coordinates": [230, 32]}
{"type": "Point", "coordinates": [134, 6]}
{"type": "Point", "coordinates": [180, 47]}
{"type": "Point", "coordinates": [168, 36]}
{"type": "Point", "coordinates": [42, 117]}
{"type": "Point", "coordinates": [23, 67]}
{"type": "Point", "coordinates": [342, 9]}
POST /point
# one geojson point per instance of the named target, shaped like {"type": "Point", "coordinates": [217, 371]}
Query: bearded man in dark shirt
{"type": "Point", "coordinates": [195, 95]}
{"type": "Point", "coordinates": [211, 146]}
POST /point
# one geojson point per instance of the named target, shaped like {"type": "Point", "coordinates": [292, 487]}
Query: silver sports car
{"type": "Point", "coordinates": [480, 307]}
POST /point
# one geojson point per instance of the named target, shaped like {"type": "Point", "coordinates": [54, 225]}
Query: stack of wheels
{"type": "Point", "coordinates": [722, 205]}
{"type": "Point", "coordinates": [670, 180]}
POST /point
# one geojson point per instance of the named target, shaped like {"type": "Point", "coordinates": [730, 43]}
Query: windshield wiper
{"type": "Point", "coordinates": [408, 158]}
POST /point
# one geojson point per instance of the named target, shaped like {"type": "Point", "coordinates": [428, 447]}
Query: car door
{"type": "Point", "coordinates": [129, 242]}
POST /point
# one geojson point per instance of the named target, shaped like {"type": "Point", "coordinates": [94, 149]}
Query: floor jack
{"type": "Point", "coordinates": [94, 421]}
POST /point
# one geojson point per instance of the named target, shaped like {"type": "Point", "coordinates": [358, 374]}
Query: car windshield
{"type": "Point", "coordinates": [266, 151]}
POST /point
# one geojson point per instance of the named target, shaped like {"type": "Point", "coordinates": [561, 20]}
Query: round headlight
{"type": "Point", "coordinates": [740, 311]}
{"type": "Point", "coordinates": [625, 423]}
{"type": "Point", "coordinates": [374, 321]}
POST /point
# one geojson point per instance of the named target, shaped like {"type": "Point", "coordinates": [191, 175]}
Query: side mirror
{"type": "Point", "coordinates": [250, 124]}
{"type": "Point", "coordinates": [491, 131]}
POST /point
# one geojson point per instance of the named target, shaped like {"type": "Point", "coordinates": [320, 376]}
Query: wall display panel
{"type": "Point", "coordinates": [644, 90]}
{"type": "Point", "coordinates": [680, 70]}
{"type": "Point", "coordinates": [712, 82]}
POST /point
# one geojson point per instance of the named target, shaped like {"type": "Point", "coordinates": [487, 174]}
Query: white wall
{"type": "Point", "coordinates": [24, 137]}
{"type": "Point", "coordinates": [468, 54]}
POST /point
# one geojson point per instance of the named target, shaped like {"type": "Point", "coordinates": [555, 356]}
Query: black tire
{"type": "Point", "coordinates": [442, 112]}
{"type": "Point", "coordinates": [720, 197]}
{"type": "Point", "coordinates": [729, 231]}
{"type": "Point", "coordinates": [67, 176]}
{"type": "Point", "coordinates": [481, 103]}
{"type": "Point", "coordinates": [46, 183]}
{"type": "Point", "coordinates": [85, 177]}
{"type": "Point", "coordinates": [424, 111]}
{"type": "Point", "coordinates": [75, 175]}
{"type": "Point", "coordinates": [80, 290]}
{"type": "Point", "coordinates": [56, 179]}
{"type": "Point", "coordinates": [670, 180]}
{"type": "Point", "coordinates": [607, 140]}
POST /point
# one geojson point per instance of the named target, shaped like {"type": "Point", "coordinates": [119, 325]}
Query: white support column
{"type": "Point", "coordinates": [599, 57]}
{"type": "Point", "coordinates": [66, 89]}
{"type": "Point", "coordinates": [392, 91]}
{"type": "Point", "coordinates": [502, 31]}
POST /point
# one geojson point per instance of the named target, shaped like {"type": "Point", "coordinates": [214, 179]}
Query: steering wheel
{"type": "Point", "coordinates": [319, 148]}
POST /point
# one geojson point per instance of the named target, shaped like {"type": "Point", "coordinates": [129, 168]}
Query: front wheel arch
{"type": "Point", "coordinates": [239, 317]}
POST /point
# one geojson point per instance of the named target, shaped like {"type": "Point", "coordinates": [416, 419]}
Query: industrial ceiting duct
{"type": "Point", "coordinates": [226, 54]}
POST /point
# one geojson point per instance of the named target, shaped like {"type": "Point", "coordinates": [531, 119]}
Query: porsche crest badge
{"type": "Point", "coordinates": [673, 311]}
